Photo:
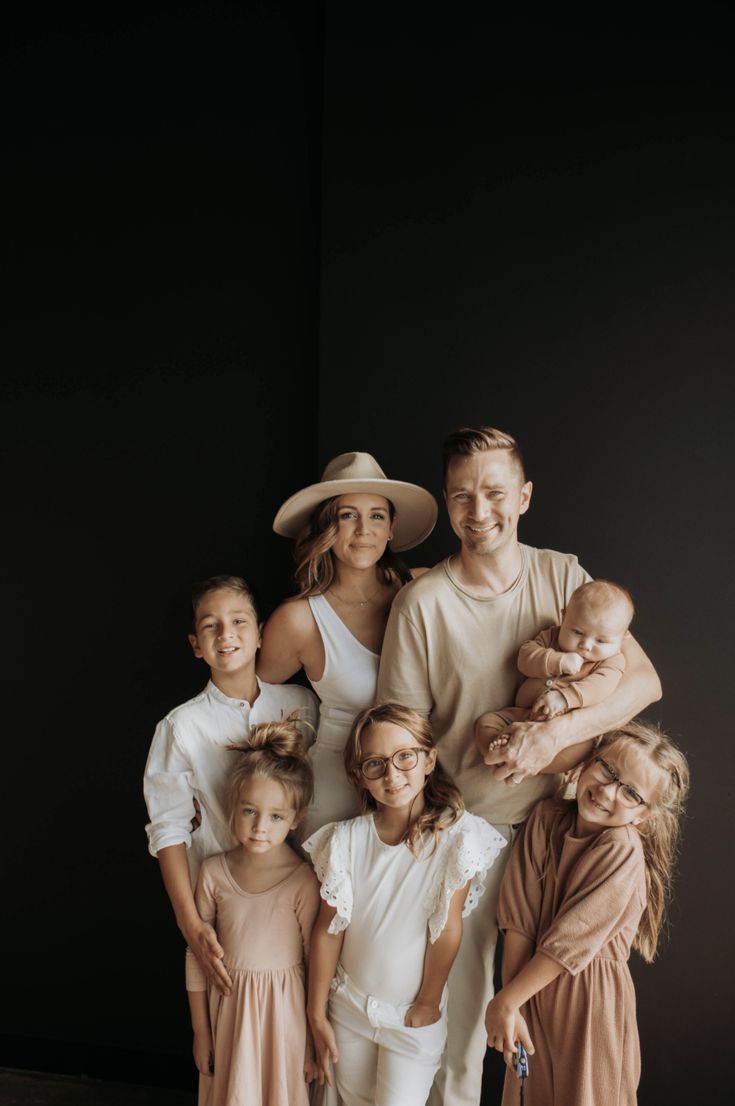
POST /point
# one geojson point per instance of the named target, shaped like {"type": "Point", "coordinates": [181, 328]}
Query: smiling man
{"type": "Point", "coordinates": [450, 652]}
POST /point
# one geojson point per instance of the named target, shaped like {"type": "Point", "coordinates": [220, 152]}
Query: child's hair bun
{"type": "Point", "coordinates": [275, 751]}
{"type": "Point", "coordinates": [280, 739]}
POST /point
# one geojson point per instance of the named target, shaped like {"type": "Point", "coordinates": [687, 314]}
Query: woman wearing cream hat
{"type": "Point", "coordinates": [347, 577]}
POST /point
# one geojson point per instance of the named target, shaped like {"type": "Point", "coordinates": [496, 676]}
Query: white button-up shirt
{"type": "Point", "coordinates": [189, 759]}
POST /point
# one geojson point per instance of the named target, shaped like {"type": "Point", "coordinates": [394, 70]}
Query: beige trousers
{"type": "Point", "coordinates": [459, 1080]}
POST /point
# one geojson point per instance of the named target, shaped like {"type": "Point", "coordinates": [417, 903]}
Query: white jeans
{"type": "Point", "coordinates": [459, 1083]}
{"type": "Point", "coordinates": [382, 1062]}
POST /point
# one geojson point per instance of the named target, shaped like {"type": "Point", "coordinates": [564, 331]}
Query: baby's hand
{"type": "Point", "coordinates": [548, 705]}
{"type": "Point", "coordinates": [571, 664]}
{"type": "Point", "coordinates": [203, 1053]}
{"type": "Point", "coordinates": [420, 1014]}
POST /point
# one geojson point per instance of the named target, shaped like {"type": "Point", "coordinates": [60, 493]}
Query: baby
{"type": "Point", "coordinates": [572, 665]}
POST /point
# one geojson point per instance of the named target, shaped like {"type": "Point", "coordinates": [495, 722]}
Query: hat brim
{"type": "Point", "coordinates": [416, 509]}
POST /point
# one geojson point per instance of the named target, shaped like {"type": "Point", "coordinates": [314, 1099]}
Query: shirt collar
{"type": "Point", "coordinates": [220, 696]}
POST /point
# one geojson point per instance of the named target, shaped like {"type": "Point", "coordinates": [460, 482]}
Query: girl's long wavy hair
{"type": "Point", "coordinates": [315, 567]}
{"type": "Point", "coordinates": [273, 751]}
{"type": "Point", "coordinates": [660, 832]}
{"type": "Point", "coordinates": [443, 804]}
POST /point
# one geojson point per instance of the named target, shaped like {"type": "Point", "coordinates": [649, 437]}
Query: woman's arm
{"type": "Point", "coordinates": [286, 638]}
{"type": "Point", "coordinates": [323, 958]}
{"type": "Point", "coordinates": [203, 1048]}
{"type": "Point", "coordinates": [199, 935]}
{"type": "Point", "coordinates": [437, 962]}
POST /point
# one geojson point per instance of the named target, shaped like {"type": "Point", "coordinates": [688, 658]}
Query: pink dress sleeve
{"type": "Point", "coordinates": [522, 886]}
{"type": "Point", "coordinates": [196, 979]}
{"type": "Point", "coordinates": [604, 893]}
{"type": "Point", "coordinates": [306, 907]}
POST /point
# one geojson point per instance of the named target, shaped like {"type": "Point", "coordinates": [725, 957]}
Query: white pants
{"type": "Point", "coordinates": [459, 1083]}
{"type": "Point", "coordinates": [382, 1062]}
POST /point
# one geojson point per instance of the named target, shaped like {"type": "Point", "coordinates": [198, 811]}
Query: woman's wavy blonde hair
{"type": "Point", "coordinates": [660, 832]}
{"type": "Point", "coordinates": [443, 804]}
{"type": "Point", "coordinates": [315, 569]}
{"type": "Point", "coordinates": [273, 751]}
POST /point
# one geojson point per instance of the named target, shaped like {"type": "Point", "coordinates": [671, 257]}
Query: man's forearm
{"type": "Point", "coordinates": [638, 688]}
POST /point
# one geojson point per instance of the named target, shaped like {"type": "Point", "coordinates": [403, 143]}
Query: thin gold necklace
{"type": "Point", "coordinates": [356, 602]}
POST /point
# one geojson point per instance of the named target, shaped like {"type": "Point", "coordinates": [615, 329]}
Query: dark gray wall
{"type": "Point", "coordinates": [531, 225]}
{"type": "Point", "coordinates": [160, 359]}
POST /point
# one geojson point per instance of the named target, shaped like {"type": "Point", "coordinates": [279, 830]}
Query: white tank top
{"type": "Point", "coordinates": [350, 674]}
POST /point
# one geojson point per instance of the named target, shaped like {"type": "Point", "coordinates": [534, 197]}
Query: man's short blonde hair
{"type": "Point", "coordinates": [479, 439]}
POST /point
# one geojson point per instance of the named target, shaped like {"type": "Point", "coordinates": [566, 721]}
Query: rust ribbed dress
{"type": "Point", "coordinates": [579, 899]}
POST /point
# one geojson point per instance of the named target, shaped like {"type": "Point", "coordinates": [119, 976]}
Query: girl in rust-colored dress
{"type": "Point", "coordinates": [586, 881]}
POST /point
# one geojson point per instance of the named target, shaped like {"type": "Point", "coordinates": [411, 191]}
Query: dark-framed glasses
{"type": "Point", "coordinates": [605, 774]}
{"type": "Point", "coordinates": [372, 768]}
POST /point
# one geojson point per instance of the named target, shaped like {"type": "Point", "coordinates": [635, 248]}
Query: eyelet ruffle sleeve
{"type": "Point", "coordinates": [470, 848]}
{"type": "Point", "coordinates": [330, 855]}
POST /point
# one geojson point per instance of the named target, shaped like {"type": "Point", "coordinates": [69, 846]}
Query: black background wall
{"type": "Point", "coordinates": [160, 401]}
{"type": "Point", "coordinates": [523, 222]}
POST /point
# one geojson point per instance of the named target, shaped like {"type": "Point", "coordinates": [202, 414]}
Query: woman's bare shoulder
{"type": "Point", "coordinates": [292, 616]}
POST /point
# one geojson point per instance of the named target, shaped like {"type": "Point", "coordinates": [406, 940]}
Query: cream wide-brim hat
{"type": "Point", "coordinates": [416, 509]}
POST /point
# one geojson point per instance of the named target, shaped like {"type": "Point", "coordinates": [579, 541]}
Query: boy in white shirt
{"type": "Point", "coordinates": [189, 757]}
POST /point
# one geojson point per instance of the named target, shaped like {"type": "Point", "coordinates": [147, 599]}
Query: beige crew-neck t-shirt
{"type": "Point", "coordinates": [452, 655]}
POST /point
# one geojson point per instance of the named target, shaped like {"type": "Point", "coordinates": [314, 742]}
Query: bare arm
{"type": "Point", "coordinates": [285, 642]}
{"type": "Point", "coordinates": [517, 951]}
{"type": "Point", "coordinates": [534, 746]}
{"type": "Point", "coordinates": [503, 1021]}
{"type": "Point", "coordinates": [438, 960]}
{"type": "Point", "coordinates": [203, 1047]}
{"type": "Point", "coordinates": [199, 935]}
{"type": "Point", "coordinates": [323, 958]}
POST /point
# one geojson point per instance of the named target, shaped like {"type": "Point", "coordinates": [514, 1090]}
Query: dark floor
{"type": "Point", "coordinates": [25, 1088]}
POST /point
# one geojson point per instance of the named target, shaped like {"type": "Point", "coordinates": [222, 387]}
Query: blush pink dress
{"type": "Point", "coordinates": [259, 1029]}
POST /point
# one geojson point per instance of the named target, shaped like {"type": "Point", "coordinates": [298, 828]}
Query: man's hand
{"type": "Point", "coordinates": [531, 747]}
{"type": "Point", "coordinates": [571, 664]}
{"type": "Point", "coordinates": [420, 1014]}
{"type": "Point", "coordinates": [202, 940]}
{"type": "Point", "coordinates": [548, 705]}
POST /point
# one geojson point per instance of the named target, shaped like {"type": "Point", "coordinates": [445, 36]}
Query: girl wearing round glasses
{"type": "Point", "coordinates": [585, 881]}
{"type": "Point", "coordinates": [396, 884]}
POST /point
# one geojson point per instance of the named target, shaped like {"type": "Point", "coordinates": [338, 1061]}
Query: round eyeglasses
{"type": "Point", "coordinates": [372, 768]}
{"type": "Point", "coordinates": [605, 774]}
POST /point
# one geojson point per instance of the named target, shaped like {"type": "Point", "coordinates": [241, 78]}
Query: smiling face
{"type": "Point", "coordinates": [264, 815]}
{"type": "Point", "coordinates": [400, 787]}
{"type": "Point", "coordinates": [485, 495]}
{"type": "Point", "coordinates": [226, 634]}
{"type": "Point", "coordinates": [364, 529]}
{"type": "Point", "coordinates": [594, 627]}
{"type": "Point", "coordinates": [599, 802]}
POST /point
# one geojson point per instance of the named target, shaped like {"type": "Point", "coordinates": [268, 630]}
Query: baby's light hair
{"type": "Point", "coordinates": [660, 832]}
{"type": "Point", "coordinates": [440, 790]}
{"type": "Point", "coordinates": [604, 592]}
{"type": "Point", "coordinates": [273, 751]}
